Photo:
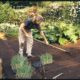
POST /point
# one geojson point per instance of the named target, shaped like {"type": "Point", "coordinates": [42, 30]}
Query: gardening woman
{"type": "Point", "coordinates": [25, 34]}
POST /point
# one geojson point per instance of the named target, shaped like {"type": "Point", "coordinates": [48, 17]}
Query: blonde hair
{"type": "Point", "coordinates": [32, 11]}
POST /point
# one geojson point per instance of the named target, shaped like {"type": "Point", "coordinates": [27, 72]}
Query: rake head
{"type": "Point", "coordinates": [68, 52]}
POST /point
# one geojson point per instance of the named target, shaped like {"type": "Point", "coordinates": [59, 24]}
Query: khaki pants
{"type": "Point", "coordinates": [29, 42]}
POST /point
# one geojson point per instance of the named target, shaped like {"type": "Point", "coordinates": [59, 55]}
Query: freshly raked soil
{"type": "Point", "coordinates": [68, 64]}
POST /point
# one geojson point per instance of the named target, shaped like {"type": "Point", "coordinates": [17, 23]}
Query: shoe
{"type": "Point", "coordinates": [30, 56]}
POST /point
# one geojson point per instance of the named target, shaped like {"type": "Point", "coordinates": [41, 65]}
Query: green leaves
{"type": "Point", "coordinates": [36, 34]}
{"type": "Point", "coordinates": [10, 30]}
{"type": "Point", "coordinates": [62, 41]}
{"type": "Point", "coordinates": [70, 33]}
{"type": "Point", "coordinates": [10, 15]}
{"type": "Point", "coordinates": [73, 38]}
{"type": "Point", "coordinates": [6, 13]}
{"type": "Point", "coordinates": [60, 32]}
{"type": "Point", "coordinates": [52, 38]}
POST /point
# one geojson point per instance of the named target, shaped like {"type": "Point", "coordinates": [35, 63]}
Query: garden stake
{"type": "Point", "coordinates": [1, 73]}
{"type": "Point", "coordinates": [57, 76]}
{"type": "Point", "coordinates": [43, 72]}
{"type": "Point", "coordinates": [37, 64]}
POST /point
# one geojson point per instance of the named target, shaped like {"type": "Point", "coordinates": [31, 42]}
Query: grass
{"type": "Point", "coordinates": [46, 58]}
{"type": "Point", "coordinates": [22, 67]}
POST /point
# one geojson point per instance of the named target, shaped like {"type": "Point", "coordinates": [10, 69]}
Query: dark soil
{"type": "Point", "coordinates": [68, 64]}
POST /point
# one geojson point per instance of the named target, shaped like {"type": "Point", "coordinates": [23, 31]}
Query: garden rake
{"type": "Point", "coordinates": [68, 52]}
{"type": "Point", "coordinates": [61, 49]}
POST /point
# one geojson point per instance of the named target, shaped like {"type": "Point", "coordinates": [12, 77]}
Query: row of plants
{"type": "Point", "coordinates": [60, 32]}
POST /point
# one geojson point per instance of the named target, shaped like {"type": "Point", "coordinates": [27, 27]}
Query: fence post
{"type": "Point", "coordinates": [1, 68]}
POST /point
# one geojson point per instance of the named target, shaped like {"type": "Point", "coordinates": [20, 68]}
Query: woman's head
{"type": "Point", "coordinates": [32, 11]}
{"type": "Point", "coordinates": [39, 19]}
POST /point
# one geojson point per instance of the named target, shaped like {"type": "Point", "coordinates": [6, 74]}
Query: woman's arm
{"type": "Point", "coordinates": [22, 28]}
{"type": "Point", "coordinates": [42, 34]}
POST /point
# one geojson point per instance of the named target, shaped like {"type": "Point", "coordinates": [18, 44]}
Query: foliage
{"type": "Point", "coordinates": [62, 41]}
{"type": "Point", "coordinates": [64, 32]}
{"type": "Point", "coordinates": [6, 13]}
{"type": "Point", "coordinates": [10, 30]}
{"type": "Point", "coordinates": [46, 58]}
{"type": "Point", "coordinates": [22, 67]}
{"type": "Point", "coordinates": [10, 15]}
{"type": "Point", "coordinates": [59, 26]}
{"type": "Point", "coordinates": [60, 32]}
{"type": "Point", "coordinates": [36, 35]}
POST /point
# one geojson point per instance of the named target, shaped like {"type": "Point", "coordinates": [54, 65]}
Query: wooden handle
{"type": "Point", "coordinates": [51, 45]}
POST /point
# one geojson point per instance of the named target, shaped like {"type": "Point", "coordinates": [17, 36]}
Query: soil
{"type": "Point", "coordinates": [68, 64]}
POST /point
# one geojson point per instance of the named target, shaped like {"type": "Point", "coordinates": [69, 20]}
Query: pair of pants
{"type": "Point", "coordinates": [28, 40]}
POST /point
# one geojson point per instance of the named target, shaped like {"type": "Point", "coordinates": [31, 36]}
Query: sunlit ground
{"type": "Point", "coordinates": [2, 36]}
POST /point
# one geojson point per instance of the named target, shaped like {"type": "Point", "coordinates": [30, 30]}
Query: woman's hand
{"type": "Point", "coordinates": [47, 42]}
{"type": "Point", "coordinates": [42, 34]}
{"type": "Point", "coordinates": [22, 28]}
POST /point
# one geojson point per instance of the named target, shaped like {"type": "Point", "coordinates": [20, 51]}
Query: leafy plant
{"type": "Point", "coordinates": [10, 30]}
{"type": "Point", "coordinates": [22, 67]}
{"type": "Point", "coordinates": [36, 35]}
{"type": "Point", "coordinates": [62, 41]}
{"type": "Point", "coordinates": [7, 14]}
{"type": "Point", "coordinates": [46, 58]}
{"type": "Point", "coordinates": [70, 33]}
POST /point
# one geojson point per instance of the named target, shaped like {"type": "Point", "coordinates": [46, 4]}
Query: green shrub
{"type": "Point", "coordinates": [10, 30]}
{"type": "Point", "coordinates": [10, 15]}
{"type": "Point", "coordinates": [6, 13]}
{"type": "Point", "coordinates": [62, 32]}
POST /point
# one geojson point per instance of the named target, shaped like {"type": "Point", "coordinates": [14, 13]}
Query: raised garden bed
{"type": "Point", "coordinates": [63, 63]}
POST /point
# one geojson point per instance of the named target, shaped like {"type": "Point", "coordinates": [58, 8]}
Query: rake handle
{"type": "Point", "coordinates": [52, 46]}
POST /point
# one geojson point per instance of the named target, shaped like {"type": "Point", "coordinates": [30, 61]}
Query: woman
{"type": "Point", "coordinates": [25, 33]}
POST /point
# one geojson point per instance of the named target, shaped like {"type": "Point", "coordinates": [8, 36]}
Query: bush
{"type": "Point", "coordinates": [62, 32]}
{"type": "Point", "coordinates": [6, 13]}
{"type": "Point", "coordinates": [10, 15]}
{"type": "Point", "coordinates": [65, 31]}
{"type": "Point", "coordinates": [10, 30]}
